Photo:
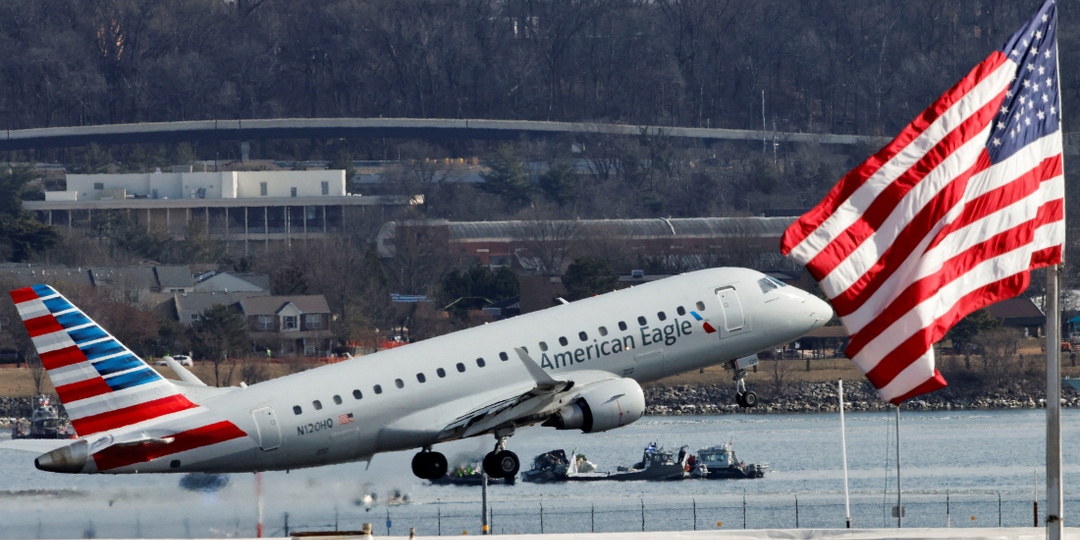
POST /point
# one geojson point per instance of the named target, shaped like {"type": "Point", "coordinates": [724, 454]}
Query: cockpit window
{"type": "Point", "coordinates": [767, 284]}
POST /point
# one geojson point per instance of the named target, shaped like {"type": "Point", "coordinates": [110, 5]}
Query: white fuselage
{"type": "Point", "coordinates": [404, 397]}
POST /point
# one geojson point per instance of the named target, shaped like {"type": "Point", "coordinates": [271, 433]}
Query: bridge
{"type": "Point", "coordinates": [418, 128]}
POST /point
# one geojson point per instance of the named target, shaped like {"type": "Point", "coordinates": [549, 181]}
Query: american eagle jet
{"type": "Point", "coordinates": [576, 366]}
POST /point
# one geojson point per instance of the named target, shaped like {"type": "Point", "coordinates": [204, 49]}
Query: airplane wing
{"type": "Point", "coordinates": [537, 404]}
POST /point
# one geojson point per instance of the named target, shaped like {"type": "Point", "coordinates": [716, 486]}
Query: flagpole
{"type": "Point", "coordinates": [899, 503]}
{"type": "Point", "coordinates": [843, 454]}
{"type": "Point", "coordinates": [1054, 491]}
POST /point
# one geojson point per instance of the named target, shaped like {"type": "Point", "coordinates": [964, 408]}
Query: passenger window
{"type": "Point", "coordinates": [660, 315]}
{"type": "Point", "coordinates": [420, 377]}
{"type": "Point", "coordinates": [641, 321]}
{"type": "Point", "coordinates": [681, 310]}
{"type": "Point", "coordinates": [622, 326]}
{"type": "Point", "coordinates": [296, 410]}
{"type": "Point", "coordinates": [503, 357]}
{"type": "Point", "coordinates": [461, 367]}
{"type": "Point", "coordinates": [440, 372]}
{"type": "Point", "coordinates": [563, 341]}
{"type": "Point", "coordinates": [399, 383]}
{"type": "Point", "coordinates": [603, 331]}
{"type": "Point", "coordinates": [700, 306]}
{"type": "Point", "coordinates": [583, 336]}
{"type": "Point", "coordinates": [378, 389]}
{"type": "Point", "coordinates": [337, 400]}
{"type": "Point", "coordinates": [317, 404]}
{"type": "Point", "coordinates": [480, 362]}
{"type": "Point", "coordinates": [543, 346]}
{"type": "Point", "coordinates": [356, 394]}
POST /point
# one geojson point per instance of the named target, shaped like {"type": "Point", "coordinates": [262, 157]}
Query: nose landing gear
{"type": "Point", "coordinates": [745, 398]}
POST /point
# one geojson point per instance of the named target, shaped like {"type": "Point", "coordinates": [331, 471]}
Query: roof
{"type": "Point", "coordinates": [712, 227]}
{"type": "Point", "coordinates": [270, 305]}
{"type": "Point", "coordinates": [225, 281]}
{"type": "Point", "coordinates": [202, 301]}
{"type": "Point", "coordinates": [32, 274]}
{"type": "Point", "coordinates": [173, 277]}
{"type": "Point", "coordinates": [131, 277]}
{"type": "Point", "coordinates": [1015, 308]}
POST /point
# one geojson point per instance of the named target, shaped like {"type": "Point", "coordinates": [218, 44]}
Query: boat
{"type": "Point", "coordinates": [468, 475]}
{"type": "Point", "coordinates": [554, 466]}
{"type": "Point", "coordinates": [656, 464]}
{"type": "Point", "coordinates": [718, 462]}
{"type": "Point", "coordinates": [45, 423]}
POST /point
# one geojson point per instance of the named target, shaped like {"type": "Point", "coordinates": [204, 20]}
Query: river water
{"type": "Point", "coordinates": [955, 468]}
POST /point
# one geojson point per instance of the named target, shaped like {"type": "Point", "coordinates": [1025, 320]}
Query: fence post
{"type": "Point", "coordinates": [744, 509]}
{"type": "Point", "coordinates": [287, 524]}
{"type": "Point", "coordinates": [796, 511]}
{"type": "Point", "coordinates": [693, 500]}
{"type": "Point", "coordinates": [541, 514]}
{"type": "Point", "coordinates": [592, 518]}
{"type": "Point", "coordinates": [439, 509]}
{"type": "Point", "coordinates": [643, 514]}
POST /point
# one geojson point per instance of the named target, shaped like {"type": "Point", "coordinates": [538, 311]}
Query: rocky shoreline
{"type": "Point", "coordinates": [859, 396]}
{"type": "Point", "coordinates": [795, 398]}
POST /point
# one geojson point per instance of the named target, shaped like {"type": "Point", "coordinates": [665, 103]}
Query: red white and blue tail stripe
{"type": "Point", "coordinates": [101, 383]}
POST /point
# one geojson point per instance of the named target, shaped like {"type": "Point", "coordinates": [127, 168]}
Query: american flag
{"type": "Point", "coordinates": [344, 419]}
{"type": "Point", "coordinates": [947, 218]}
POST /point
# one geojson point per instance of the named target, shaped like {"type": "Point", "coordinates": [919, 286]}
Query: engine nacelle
{"type": "Point", "coordinates": [605, 406]}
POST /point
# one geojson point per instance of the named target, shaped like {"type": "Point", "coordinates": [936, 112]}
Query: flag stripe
{"type": "Point", "coordinates": [911, 349]}
{"type": "Point", "coordinates": [802, 232]}
{"type": "Point", "coordinates": [930, 286]}
{"type": "Point", "coordinates": [909, 190]}
{"type": "Point", "coordinates": [897, 257]}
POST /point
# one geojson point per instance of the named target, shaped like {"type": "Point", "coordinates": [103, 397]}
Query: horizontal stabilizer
{"type": "Point", "coordinates": [183, 373]}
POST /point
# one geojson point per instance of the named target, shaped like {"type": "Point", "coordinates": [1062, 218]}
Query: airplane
{"type": "Point", "coordinates": [576, 366]}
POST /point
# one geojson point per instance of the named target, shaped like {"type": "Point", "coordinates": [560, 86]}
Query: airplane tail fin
{"type": "Point", "coordinates": [102, 384]}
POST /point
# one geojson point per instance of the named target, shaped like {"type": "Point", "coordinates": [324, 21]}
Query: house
{"type": "Point", "coordinates": [188, 307]}
{"type": "Point", "coordinates": [1020, 313]}
{"type": "Point", "coordinates": [289, 325]}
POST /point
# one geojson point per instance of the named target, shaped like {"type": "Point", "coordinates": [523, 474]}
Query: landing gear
{"type": "Point", "coordinates": [745, 398]}
{"type": "Point", "coordinates": [429, 465]}
{"type": "Point", "coordinates": [500, 462]}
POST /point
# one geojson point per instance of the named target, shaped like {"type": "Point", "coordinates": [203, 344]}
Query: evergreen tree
{"type": "Point", "coordinates": [587, 277]}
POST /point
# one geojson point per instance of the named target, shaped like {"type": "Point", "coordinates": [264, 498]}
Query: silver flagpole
{"type": "Point", "coordinates": [843, 454]}
{"type": "Point", "coordinates": [1054, 491]}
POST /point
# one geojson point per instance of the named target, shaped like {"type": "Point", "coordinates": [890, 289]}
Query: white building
{"type": "Point", "coordinates": [243, 208]}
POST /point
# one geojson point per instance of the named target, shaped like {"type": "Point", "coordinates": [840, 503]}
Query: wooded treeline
{"type": "Point", "coordinates": [837, 66]}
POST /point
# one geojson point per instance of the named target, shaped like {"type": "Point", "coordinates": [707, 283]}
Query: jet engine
{"type": "Point", "coordinates": [604, 406]}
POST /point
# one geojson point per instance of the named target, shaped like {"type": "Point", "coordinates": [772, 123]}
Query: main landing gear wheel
{"type": "Point", "coordinates": [429, 465]}
{"type": "Point", "coordinates": [746, 399]}
{"type": "Point", "coordinates": [501, 464]}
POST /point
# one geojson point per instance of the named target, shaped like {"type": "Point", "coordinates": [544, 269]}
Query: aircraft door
{"type": "Point", "coordinates": [733, 312]}
{"type": "Point", "coordinates": [266, 428]}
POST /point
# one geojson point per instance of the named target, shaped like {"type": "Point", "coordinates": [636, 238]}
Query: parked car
{"type": "Point", "coordinates": [183, 359]}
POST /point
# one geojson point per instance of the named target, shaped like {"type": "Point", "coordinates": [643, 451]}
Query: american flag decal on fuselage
{"type": "Point", "coordinates": [102, 384]}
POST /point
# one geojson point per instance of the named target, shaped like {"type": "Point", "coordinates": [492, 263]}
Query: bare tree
{"type": "Point", "coordinates": [552, 243]}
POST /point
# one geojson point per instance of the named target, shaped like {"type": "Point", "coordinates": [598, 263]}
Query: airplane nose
{"type": "Point", "coordinates": [820, 311]}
